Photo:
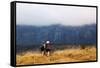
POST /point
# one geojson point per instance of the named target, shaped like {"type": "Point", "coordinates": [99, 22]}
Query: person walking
{"type": "Point", "coordinates": [48, 48]}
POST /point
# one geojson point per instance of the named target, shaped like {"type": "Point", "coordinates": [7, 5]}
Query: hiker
{"type": "Point", "coordinates": [43, 48]}
{"type": "Point", "coordinates": [48, 48]}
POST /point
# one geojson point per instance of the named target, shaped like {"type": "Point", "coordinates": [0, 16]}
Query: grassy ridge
{"type": "Point", "coordinates": [58, 56]}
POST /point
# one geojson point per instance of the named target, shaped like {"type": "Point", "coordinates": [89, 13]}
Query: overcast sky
{"type": "Point", "coordinates": [38, 14]}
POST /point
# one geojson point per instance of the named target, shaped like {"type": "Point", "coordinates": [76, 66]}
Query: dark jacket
{"type": "Point", "coordinates": [48, 46]}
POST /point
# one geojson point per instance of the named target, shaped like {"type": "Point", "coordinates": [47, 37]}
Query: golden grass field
{"type": "Point", "coordinates": [58, 56]}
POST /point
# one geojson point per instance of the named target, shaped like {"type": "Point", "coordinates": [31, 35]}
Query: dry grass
{"type": "Point", "coordinates": [59, 56]}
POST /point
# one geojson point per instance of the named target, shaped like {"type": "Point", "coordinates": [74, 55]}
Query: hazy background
{"type": "Point", "coordinates": [61, 25]}
{"type": "Point", "coordinates": [37, 14]}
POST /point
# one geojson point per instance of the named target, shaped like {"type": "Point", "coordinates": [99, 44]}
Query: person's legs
{"type": "Point", "coordinates": [42, 53]}
{"type": "Point", "coordinates": [48, 53]}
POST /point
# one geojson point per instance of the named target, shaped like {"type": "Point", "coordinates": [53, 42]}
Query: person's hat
{"type": "Point", "coordinates": [47, 41]}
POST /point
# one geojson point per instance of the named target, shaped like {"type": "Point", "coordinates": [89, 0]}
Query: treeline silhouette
{"type": "Point", "coordinates": [57, 34]}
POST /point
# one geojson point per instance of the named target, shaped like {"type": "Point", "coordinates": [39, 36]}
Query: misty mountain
{"type": "Point", "coordinates": [57, 34]}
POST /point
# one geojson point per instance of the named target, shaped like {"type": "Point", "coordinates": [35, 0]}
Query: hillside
{"type": "Point", "coordinates": [58, 56]}
{"type": "Point", "coordinates": [33, 36]}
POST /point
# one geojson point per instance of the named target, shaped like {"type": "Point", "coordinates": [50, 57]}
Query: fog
{"type": "Point", "coordinates": [39, 15]}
